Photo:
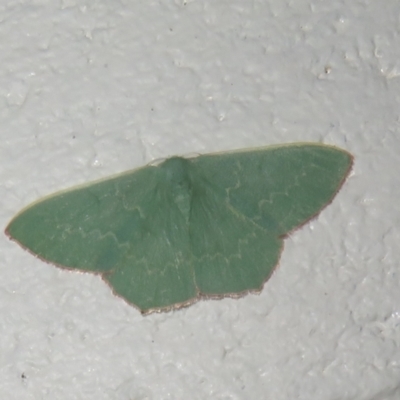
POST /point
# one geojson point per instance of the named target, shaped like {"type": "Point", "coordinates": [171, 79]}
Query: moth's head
{"type": "Point", "coordinates": [176, 170]}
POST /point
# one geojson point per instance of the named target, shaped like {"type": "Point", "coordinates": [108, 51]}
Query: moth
{"type": "Point", "coordinates": [164, 236]}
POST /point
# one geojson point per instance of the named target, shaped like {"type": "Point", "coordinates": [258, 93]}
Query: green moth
{"type": "Point", "coordinates": [164, 236]}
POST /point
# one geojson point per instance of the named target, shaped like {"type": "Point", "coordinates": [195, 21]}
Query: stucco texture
{"type": "Point", "coordinates": [92, 88]}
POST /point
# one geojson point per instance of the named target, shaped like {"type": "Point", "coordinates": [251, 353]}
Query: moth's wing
{"type": "Point", "coordinates": [281, 187]}
{"type": "Point", "coordinates": [156, 272]}
{"type": "Point", "coordinates": [231, 253]}
{"type": "Point", "coordinates": [124, 228]}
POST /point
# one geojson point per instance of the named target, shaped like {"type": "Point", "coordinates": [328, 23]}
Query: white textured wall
{"type": "Point", "coordinates": [92, 88]}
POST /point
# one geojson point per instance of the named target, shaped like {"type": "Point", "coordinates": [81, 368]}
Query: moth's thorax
{"type": "Point", "coordinates": [178, 178]}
